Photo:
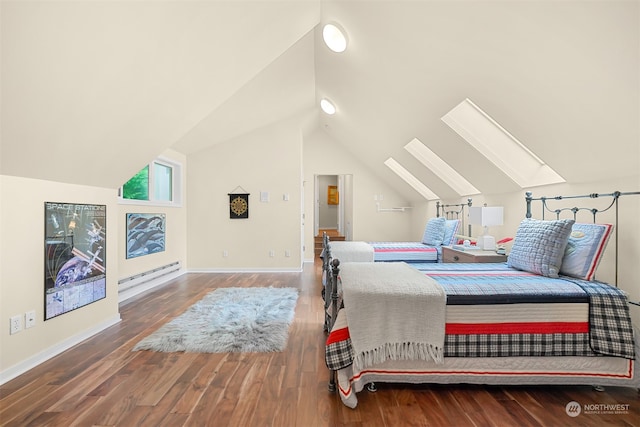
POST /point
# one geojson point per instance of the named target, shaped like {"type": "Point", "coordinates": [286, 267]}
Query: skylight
{"type": "Point", "coordinates": [410, 179]}
{"type": "Point", "coordinates": [334, 37]}
{"type": "Point", "coordinates": [441, 168]}
{"type": "Point", "coordinates": [499, 146]}
{"type": "Point", "coordinates": [327, 106]}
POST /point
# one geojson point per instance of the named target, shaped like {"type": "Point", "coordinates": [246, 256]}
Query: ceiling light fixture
{"type": "Point", "coordinates": [327, 106]}
{"type": "Point", "coordinates": [334, 37]}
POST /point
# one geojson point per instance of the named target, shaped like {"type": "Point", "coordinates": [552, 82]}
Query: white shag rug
{"type": "Point", "coordinates": [229, 320]}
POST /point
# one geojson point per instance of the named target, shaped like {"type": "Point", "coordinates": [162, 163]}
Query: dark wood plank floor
{"type": "Point", "coordinates": [101, 382]}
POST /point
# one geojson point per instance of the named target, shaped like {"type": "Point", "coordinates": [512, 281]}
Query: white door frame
{"type": "Point", "coordinates": [316, 204]}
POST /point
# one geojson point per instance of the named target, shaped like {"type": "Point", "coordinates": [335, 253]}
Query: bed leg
{"type": "Point", "coordinates": [598, 388]}
{"type": "Point", "coordinates": [371, 387]}
{"type": "Point", "coordinates": [332, 381]}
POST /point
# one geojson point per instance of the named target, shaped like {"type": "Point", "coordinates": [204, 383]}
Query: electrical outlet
{"type": "Point", "coordinates": [225, 253]}
{"type": "Point", "coordinates": [30, 319]}
{"type": "Point", "coordinates": [15, 325]}
{"type": "Point", "coordinates": [272, 253]}
{"type": "Point", "coordinates": [287, 253]}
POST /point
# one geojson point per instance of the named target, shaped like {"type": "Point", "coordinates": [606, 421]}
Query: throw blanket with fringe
{"type": "Point", "coordinates": [394, 312]}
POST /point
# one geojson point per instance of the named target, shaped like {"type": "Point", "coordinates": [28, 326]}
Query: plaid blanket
{"type": "Point", "coordinates": [339, 351]}
{"type": "Point", "coordinates": [610, 331]}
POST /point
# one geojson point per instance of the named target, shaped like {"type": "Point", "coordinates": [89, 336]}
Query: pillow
{"type": "Point", "coordinates": [584, 250]}
{"type": "Point", "coordinates": [539, 246]}
{"type": "Point", "coordinates": [450, 231]}
{"type": "Point", "coordinates": [434, 232]}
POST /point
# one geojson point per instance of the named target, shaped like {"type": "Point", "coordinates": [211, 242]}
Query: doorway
{"type": "Point", "coordinates": [334, 204]}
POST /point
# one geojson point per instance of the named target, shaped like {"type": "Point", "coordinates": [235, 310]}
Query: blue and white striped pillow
{"type": "Point", "coordinates": [434, 232]}
{"type": "Point", "coordinates": [451, 230]}
{"type": "Point", "coordinates": [585, 249]}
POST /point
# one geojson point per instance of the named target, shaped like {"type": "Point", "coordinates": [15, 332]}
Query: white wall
{"type": "Point", "coordinates": [22, 272]}
{"type": "Point", "coordinates": [323, 156]}
{"type": "Point", "coordinates": [176, 229]}
{"type": "Point", "coordinates": [267, 160]}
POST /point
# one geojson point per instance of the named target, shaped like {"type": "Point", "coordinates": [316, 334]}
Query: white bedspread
{"type": "Point", "coordinates": [349, 251]}
{"type": "Point", "coordinates": [394, 312]}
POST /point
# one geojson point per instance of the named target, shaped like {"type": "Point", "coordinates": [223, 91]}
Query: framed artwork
{"type": "Point", "coordinates": [145, 234]}
{"type": "Point", "coordinates": [238, 205]}
{"type": "Point", "coordinates": [333, 197]}
{"type": "Point", "coordinates": [75, 256]}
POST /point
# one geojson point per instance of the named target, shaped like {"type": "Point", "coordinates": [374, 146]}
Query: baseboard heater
{"type": "Point", "coordinates": [147, 276]}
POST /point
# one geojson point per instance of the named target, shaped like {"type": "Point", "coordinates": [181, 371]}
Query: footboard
{"type": "Point", "coordinates": [331, 313]}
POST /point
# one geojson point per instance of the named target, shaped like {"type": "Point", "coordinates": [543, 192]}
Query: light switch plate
{"type": "Point", "coordinates": [30, 319]}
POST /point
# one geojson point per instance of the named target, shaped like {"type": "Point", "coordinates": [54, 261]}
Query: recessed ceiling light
{"type": "Point", "coordinates": [334, 37]}
{"type": "Point", "coordinates": [327, 106]}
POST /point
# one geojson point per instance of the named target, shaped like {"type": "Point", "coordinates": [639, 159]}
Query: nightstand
{"type": "Point", "coordinates": [475, 255]}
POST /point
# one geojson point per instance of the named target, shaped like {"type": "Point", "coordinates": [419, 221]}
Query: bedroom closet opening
{"type": "Point", "coordinates": [333, 210]}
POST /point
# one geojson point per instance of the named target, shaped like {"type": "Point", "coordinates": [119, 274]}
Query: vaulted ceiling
{"type": "Point", "coordinates": [85, 82]}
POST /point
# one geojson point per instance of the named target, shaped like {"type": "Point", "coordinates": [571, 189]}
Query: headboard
{"type": "Point", "coordinates": [457, 213]}
{"type": "Point", "coordinates": [615, 196]}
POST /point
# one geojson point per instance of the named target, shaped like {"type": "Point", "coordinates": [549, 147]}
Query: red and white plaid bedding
{"type": "Point", "coordinates": [497, 311]}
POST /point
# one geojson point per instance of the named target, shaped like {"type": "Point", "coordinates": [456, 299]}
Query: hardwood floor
{"type": "Point", "coordinates": [101, 382]}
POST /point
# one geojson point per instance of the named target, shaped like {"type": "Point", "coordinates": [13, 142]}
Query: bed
{"type": "Point", "coordinates": [441, 230]}
{"type": "Point", "coordinates": [520, 322]}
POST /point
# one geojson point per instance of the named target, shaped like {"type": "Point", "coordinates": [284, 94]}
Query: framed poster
{"type": "Point", "coordinates": [332, 195]}
{"type": "Point", "coordinates": [145, 234]}
{"type": "Point", "coordinates": [75, 256]}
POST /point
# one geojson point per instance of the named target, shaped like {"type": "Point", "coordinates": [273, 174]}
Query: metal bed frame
{"type": "Point", "coordinates": [454, 214]}
{"type": "Point", "coordinates": [333, 265]}
{"type": "Point", "coordinates": [615, 197]}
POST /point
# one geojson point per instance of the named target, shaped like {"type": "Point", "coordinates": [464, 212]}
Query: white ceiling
{"type": "Point", "coordinates": [92, 80]}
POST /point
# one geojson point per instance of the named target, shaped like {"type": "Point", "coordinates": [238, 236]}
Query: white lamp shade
{"type": "Point", "coordinates": [486, 216]}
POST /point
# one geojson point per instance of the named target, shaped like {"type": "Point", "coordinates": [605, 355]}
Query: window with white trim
{"type": "Point", "coordinates": [158, 183]}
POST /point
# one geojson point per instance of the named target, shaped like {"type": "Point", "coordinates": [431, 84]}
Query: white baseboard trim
{"type": "Point", "coordinates": [246, 270]}
{"type": "Point", "coordinates": [44, 355]}
{"type": "Point", "coordinates": [144, 287]}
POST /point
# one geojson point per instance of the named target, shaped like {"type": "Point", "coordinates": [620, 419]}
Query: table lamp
{"type": "Point", "coordinates": [486, 217]}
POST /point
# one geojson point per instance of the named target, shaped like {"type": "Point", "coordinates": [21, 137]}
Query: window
{"type": "Point", "coordinates": [410, 179]}
{"type": "Point", "coordinates": [158, 183]}
{"type": "Point", "coordinates": [499, 146]}
{"type": "Point", "coordinates": [163, 182]}
{"type": "Point", "coordinates": [441, 168]}
{"type": "Point", "coordinates": [137, 188]}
